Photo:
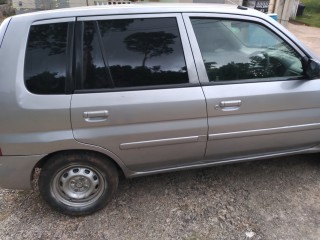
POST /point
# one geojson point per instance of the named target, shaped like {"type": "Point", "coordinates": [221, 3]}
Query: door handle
{"type": "Point", "coordinates": [229, 105]}
{"type": "Point", "coordinates": [96, 116]}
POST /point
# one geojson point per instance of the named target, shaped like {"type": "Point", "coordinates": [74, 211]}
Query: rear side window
{"type": "Point", "coordinates": [132, 53]}
{"type": "Point", "coordinates": [46, 59]}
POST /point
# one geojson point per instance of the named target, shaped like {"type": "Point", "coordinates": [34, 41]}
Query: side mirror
{"type": "Point", "coordinates": [313, 69]}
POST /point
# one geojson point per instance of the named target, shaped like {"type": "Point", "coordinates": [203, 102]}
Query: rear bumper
{"type": "Point", "coordinates": [16, 171]}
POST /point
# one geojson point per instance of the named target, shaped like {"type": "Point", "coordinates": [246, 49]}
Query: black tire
{"type": "Point", "coordinates": [78, 183]}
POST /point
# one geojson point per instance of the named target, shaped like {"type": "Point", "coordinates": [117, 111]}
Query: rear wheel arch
{"type": "Point", "coordinates": [47, 158]}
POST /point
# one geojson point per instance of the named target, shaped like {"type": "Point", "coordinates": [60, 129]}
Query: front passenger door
{"type": "Point", "coordinates": [259, 101]}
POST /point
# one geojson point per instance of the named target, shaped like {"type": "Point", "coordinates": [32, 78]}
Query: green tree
{"type": "Point", "coordinates": [151, 44]}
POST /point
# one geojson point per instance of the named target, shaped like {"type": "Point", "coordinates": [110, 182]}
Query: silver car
{"type": "Point", "coordinates": [87, 94]}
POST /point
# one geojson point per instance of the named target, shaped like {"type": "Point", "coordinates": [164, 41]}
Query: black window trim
{"type": "Point", "coordinates": [69, 87]}
{"type": "Point", "coordinates": [78, 42]}
{"type": "Point", "coordinates": [253, 80]}
{"type": "Point", "coordinates": [4, 28]}
{"type": "Point", "coordinates": [103, 54]}
{"type": "Point", "coordinates": [139, 88]}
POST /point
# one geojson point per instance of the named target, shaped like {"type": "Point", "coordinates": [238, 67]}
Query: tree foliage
{"type": "Point", "coordinates": [150, 44]}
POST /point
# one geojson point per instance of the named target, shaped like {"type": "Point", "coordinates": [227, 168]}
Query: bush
{"type": "Point", "coordinates": [311, 14]}
{"type": "Point", "coordinates": [3, 1]}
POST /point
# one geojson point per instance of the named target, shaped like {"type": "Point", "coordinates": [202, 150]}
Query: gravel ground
{"type": "Point", "coordinates": [271, 199]}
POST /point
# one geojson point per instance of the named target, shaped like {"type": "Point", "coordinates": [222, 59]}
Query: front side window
{"type": "Point", "coordinates": [132, 53]}
{"type": "Point", "coordinates": [237, 50]}
{"type": "Point", "coordinates": [46, 59]}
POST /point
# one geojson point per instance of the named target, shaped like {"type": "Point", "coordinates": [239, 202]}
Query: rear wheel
{"type": "Point", "coordinates": [78, 183]}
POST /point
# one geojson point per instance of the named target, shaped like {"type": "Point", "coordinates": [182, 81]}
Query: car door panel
{"type": "Point", "coordinates": [268, 121]}
{"type": "Point", "coordinates": [147, 127]}
{"type": "Point", "coordinates": [252, 117]}
{"type": "Point", "coordinates": [161, 128]}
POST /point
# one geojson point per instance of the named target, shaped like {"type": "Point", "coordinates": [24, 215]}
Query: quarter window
{"type": "Point", "coordinates": [132, 53]}
{"type": "Point", "coordinates": [46, 59]}
{"type": "Point", "coordinates": [237, 50]}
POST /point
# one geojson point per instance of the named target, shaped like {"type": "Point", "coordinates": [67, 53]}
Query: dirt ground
{"type": "Point", "coordinates": [271, 199]}
{"type": "Point", "coordinates": [310, 36]}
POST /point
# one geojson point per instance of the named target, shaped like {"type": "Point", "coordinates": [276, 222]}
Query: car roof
{"type": "Point", "coordinates": [141, 9]}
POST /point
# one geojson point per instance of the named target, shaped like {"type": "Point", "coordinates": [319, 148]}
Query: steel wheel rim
{"type": "Point", "coordinates": [78, 185]}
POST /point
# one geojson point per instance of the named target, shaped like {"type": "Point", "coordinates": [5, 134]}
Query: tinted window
{"type": "Point", "coordinates": [131, 53]}
{"type": "Point", "coordinates": [234, 50]}
{"type": "Point", "coordinates": [94, 71]}
{"type": "Point", "coordinates": [45, 62]}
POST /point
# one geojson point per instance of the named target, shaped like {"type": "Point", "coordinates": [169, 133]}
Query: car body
{"type": "Point", "coordinates": [148, 88]}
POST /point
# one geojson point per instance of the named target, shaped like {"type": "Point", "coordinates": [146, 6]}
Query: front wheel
{"type": "Point", "coordinates": [78, 183]}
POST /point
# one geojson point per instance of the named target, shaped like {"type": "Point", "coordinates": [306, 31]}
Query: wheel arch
{"type": "Point", "coordinates": [47, 158]}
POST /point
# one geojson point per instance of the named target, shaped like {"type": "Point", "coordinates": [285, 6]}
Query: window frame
{"type": "Point", "coordinates": [186, 49]}
{"type": "Point", "coordinates": [68, 89]}
{"type": "Point", "coordinates": [202, 72]}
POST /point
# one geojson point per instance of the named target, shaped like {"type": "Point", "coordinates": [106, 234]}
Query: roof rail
{"type": "Point", "coordinates": [114, 2]}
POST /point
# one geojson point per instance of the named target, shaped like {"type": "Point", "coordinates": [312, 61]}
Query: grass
{"type": "Point", "coordinates": [311, 14]}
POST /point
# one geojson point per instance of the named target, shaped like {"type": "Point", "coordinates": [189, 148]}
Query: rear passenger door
{"type": "Point", "coordinates": [259, 100]}
{"type": "Point", "coordinates": [137, 91]}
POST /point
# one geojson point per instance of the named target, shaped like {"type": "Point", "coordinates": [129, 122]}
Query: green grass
{"type": "Point", "coordinates": [311, 14]}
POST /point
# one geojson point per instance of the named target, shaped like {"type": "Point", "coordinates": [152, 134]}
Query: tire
{"type": "Point", "coordinates": [78, 183]}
